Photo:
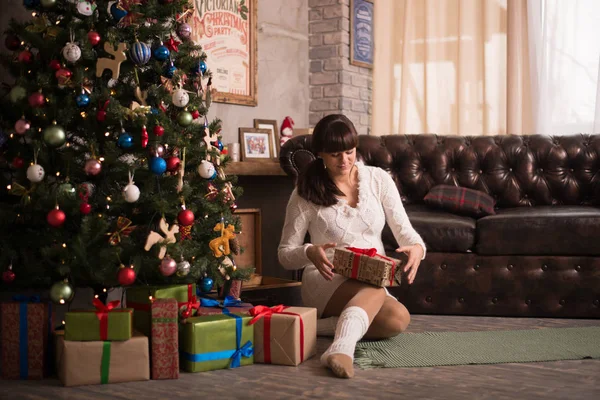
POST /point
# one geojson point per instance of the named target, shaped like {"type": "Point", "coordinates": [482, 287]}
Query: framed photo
{"type": "Point", "coordinates": [256, 144]}
{"type": "Point", "coordinates": [226, 30]}
{"type": "Point", "coordinates": [249, 239]}
{"type": "Point", "coordinates": [361, 33]}
{"type": "Point", "coordinates": [272, 125]}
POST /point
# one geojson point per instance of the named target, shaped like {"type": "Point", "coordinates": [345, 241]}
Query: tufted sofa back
{"type": "Point", "coordinates": [515, 170]}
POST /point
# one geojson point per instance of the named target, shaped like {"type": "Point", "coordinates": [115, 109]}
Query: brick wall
{"type": "Point", "coordinates": [336, 86]}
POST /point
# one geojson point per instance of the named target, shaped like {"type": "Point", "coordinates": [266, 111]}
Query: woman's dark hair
{"type": "Point", "coordinates": [333, 133]}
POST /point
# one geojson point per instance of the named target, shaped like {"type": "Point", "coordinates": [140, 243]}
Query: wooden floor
{"type": "Point", "coordinates": [549, 380]}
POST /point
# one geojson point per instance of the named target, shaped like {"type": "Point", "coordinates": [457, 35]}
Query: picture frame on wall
{"type": "Point", "coordinates": [361, 33]}
{"type": "Point", "coordinates": [249, 239]}
{"type": "Point", "coordinates": [270, 124]}
{"type": "Point", "coordinates": [256, 144]}
{"type": "Point", "coordinates": [227, 32]}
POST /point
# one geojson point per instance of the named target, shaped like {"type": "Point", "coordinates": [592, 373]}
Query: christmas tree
{"type": "Point", "coordinates": [112, 173]}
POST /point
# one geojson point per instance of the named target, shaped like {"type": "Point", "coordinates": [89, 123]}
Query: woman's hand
{"type": "Point", "coordinates": [316, 254]}
{"type": "Point", "coordinates": [415, 255]}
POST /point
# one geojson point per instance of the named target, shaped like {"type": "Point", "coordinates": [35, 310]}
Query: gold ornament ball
{"type": "Point", "coordinates": [17, 93]}
{"type": "Point", "coordinates": [55, 136]}
{"type": "Point", "coordinates": [61, 292]}
{"type": "Point", "coordinates": [184, 118]}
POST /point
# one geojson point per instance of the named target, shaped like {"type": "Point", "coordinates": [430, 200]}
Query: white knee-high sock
{"type": "Point", "coordinates": [351, 327]}
{"type": "Point", "coordinates": [326, 326]}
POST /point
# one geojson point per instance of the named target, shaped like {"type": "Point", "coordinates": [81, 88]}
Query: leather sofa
{"type": "Point", "coordinates": [539, 255]}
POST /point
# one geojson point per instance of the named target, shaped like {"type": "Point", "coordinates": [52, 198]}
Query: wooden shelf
{"type": "Point", "coordinates": [254, 168]}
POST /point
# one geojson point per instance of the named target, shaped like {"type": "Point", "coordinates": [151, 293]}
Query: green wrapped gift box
{"type": "Point", "coordinates": [139, 298]}
{"type": "Point", "coordinates": [104, 323]}
{"type": "Point", "coordinates": [214, 342]}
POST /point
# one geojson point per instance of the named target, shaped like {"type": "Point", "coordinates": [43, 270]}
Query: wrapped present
{"type": "Point", "coordinates": [106, 322]}
{"type": "Point", "coordinates": [25, 325]}
{"type": "Point", "coordinates": [208, 306]}
{"type": "Point", "coordinates": [367, 266]}
{"type": "Point", "coordinates": [284, 335]}
{"type": "Point", "coordinates": [216, 342]}
{"type": "Point", "coordinates": [165, 339]}
{"type": "Point", "coordinates": [92, 363]}
{"type": "Point", "coordinates": [139, 298]}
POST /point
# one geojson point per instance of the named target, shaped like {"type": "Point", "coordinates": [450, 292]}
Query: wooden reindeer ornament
{"type": "Point", "coordinates": [155, 237]}
{"type": "Point", "coordinates": [108, 63]}
{"type": "Point", "coordinates": [220, 245]}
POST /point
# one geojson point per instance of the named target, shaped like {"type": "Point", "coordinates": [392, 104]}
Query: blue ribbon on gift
{"type": "Point", "coordinates": [235, 356]}
{"type": "Point", "coordinates": [229, 301]}
{"type": "Point", "coordinates": [23, 345]}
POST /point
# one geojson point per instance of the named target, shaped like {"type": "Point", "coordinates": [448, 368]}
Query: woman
{"type": "Point", "coordinates": [341, 202]}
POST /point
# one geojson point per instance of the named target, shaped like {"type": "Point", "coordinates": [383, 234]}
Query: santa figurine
{"type": "Point", "coordinates": [287, 130]}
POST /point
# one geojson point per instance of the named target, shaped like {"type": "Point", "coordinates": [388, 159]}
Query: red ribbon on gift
{"type": "Point", "coordinates": [102, 314]}
{"type": "Point", "coordinates": [267, 312]}
{"type": "Point", "coordinates": [372, 252]}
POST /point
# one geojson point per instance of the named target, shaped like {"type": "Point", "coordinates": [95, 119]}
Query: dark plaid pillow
{"type": "Point", "coordinates": [461, 200]}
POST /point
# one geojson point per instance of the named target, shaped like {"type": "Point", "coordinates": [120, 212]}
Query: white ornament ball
{"type": "Point", "coordinates": [180, 98]}
{"type": "Point", "coordinates": [131, 193]}
{"type": "Point", "coordinates": [35, 173]}
{"type": "Point", "coordinates": [85, 8]}
{"type": "Point", "coordinates": [207, 170]}
{"type": "Point", "coordinates": [71, 52]}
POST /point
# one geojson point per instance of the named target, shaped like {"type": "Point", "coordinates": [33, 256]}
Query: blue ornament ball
{"type": "Point", "coordinates": [153, 111]}
{"type": "Point", "coordinates": [31, 3]}
{"type": "Point", "coordinates": [161, 53]}
{"type": "Point", "coordinates": [206, 284]}
{"type": "Point", "coordinates": [218, 144]}
{"type": "Point", "coordinates": [140, 53]}
{"type": "Point", "coordinates": [125, 141]}
{"type": "Point", "coordinates": [117, 13]}
{"type": "Point", "coordinates": [82, 100]}
{"type": "Point", "coordinates": [170, 71]}
{"type": "Point", "coordinates": [158, 165]}
{"type": "Point", "coordinates": [203, 67]}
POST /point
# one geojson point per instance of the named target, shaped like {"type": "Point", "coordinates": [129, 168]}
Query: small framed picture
{"type": "Point", "coordinates": [272, 125]}
{"type": "Point", "coordinates": [256, 144]}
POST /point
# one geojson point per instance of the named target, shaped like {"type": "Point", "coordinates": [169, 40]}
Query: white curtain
{"type": "Point", "coordinates": [564, 45]}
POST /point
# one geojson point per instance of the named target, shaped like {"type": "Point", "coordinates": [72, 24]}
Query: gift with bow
{"type": "Point", "coordinates": [124, 228]}
{"type": "Point", "coordinates": [106, 322]}
{"type": "Point", "coordinates": [140, 298]}
{"type": "Point", "coordinates": [284, 335]}
{"type": "Point", "coordinates": [165, 339]}
{"type": "Point", "coordinates": [367, 266]}
{"type": "Point", "coordinates": [25, 324]}
{"type": "Point", "coordinates": [208, 306]}
{"type": "Point", "coordinates": [214, 342]}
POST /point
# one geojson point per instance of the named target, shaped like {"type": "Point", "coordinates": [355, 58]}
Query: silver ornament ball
{"type": "Point", "coordinates": [183, 268]}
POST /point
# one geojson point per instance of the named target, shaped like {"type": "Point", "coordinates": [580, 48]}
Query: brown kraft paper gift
{"type": "Point", "coordinates": [367, 266]}
{"type": "Point", "coordinates": [92, 363]}
{"type": "Point", "coordinates": [284, 335]}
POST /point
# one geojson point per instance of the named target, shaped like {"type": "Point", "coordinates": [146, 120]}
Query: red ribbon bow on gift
{"type": "Point", "coordinates": [372, 252]}
{"type": "Point", "coordinates": [259, 312]}
{"type": "Point", "coordinates": [102, 314]}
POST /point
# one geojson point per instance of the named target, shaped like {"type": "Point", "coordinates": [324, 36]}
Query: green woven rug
{"type": "Point", "coordinates": [429, 349]}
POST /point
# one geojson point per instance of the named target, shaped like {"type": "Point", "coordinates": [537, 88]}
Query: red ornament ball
{"type": "Point", "coordinates": [126, 276]}
{"type": "Point", "coordinates": [36, 100]}
{"type": "Point", "coordinates": [85, 208]}
{"type": "Point", "coordinates": [25, 57]}
{"type": "Point", "coordinates": [18, 162]}
{"type": "Point", "coordinates": [185, 217]}
{"type": "Point", "coordinates": [92, 167]}
{"type": "Point", "coordinates": [195, 114]}
{"type": "Point", "coordinates": [55, 65]}
{"type": "Point", "coordinates": [12, 42]}
{"type": "Point", "coordinates": [63, 75]}
{"type": "Point", "coordinates": [159, 130]}
{"type": "Point", "coordinates": [173, 164]}
{"type": "Point", "coordinates": [8, 276]}
{"type": "Point", "coordinates": [56, 218]}
{"type": "Point", "coordinates": [94, 38]}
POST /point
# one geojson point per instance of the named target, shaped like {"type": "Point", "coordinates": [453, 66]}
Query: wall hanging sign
{"type": "Point", "coordinates": [361, 33]}
{"type": "Point", "coordinates": [226, 30]}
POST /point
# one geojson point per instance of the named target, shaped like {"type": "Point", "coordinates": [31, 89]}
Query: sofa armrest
{"type": "Point", "coordinates": [296, 154]}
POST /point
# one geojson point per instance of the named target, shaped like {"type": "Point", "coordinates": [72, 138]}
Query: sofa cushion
{"type": "Point", "coordinates": [547, 230]}
{"type": "Point", "coordinates": [441, 231]}
{"type": "Point", "coordinates": [460, 200]}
